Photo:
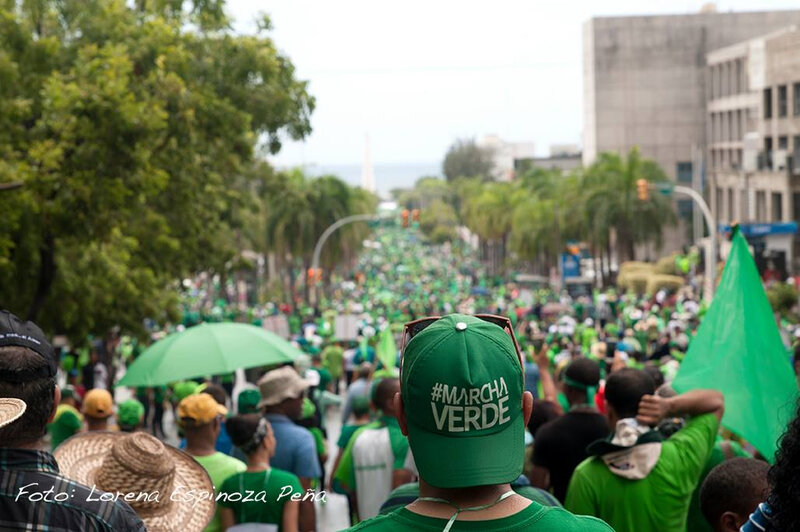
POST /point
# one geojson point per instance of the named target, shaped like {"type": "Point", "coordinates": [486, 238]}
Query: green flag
{"type": "Point", "coordinates": [387, 349]}
{"type": "Point", "coordinates": [738, 351]}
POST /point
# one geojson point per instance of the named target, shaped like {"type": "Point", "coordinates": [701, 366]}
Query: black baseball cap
{"type": "Point", "coordinates": [15, 332]}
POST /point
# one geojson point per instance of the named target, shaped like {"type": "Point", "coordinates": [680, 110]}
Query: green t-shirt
{"type": "Point", "coordinates": [332, 357]}
{"type": "Point", "coordinates": [269, 495]}
{"type": "Point", "coordinates": [345, 474]}
{"type": "Point", "coordinates": [696, 522]}
{"type": "Point", "coordinates": [533, 517]}
{"type": "Point", "coordinates": [659, 501]}
{"type": "Point", "coordinates": [219, 467]}
{"type": "Point", "coordinates": [346, 434]}
{"type": "Point", "coordinates": [67, 422]}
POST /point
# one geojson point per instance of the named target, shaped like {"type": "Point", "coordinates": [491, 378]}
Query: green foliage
{"type": "Point", "coordinates": [466, 159]}
{"type": "Point", "coordinates": [438, 222]}
{"type": "Point", "coordinates": [783, 298]}
{"type": "Point", "coordinates": [134, 128]}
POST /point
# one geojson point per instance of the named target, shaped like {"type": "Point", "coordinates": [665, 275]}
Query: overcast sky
{"type": "Point", "coordinates": [415, 75]}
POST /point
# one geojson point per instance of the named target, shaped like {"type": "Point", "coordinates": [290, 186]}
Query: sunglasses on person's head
{"type": "Point", "coordinates": [413, 328]}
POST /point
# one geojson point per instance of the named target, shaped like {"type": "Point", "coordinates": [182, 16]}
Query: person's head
{"type": "Point", "coordinates": [200, 417]}
{"type": "Point", "coordinates": [282, 391]}
{"type": "Point", "coordinates": [624, 390]}
{"type": "Point", "coordinates": [94, 358]}
{"type": "Point", "coordinates": [252, 434]}
{"type": "Point", "coordinates": [27, 372]}
{"type": "Point", "coordinates": [731, 492]}
{"type": "Point", "coordinates": [462, 403]}
{"type": "Point", "coordinates": [579, 380]}
{"type": "Point", "coordinates": [363, 371]}
{"type": "Point", "coordinates": [247, 401]}
{"type": "Point", "coordinates": [655, 374]}
{"type": "Point", "coordinates": [218, 393]}
{"type": "Point", "coordinates": [130, 415]}
{"type": "Point", "coordinates": [69, 396]}
{"type": "Point", "coordinates": [543, 411]}
{"type": "Point", "coordinates": [383, 396]}
{"type": "Point", "coordinates": [784, 478]}
{"type": "Point", "coordinates": [98, 405]}
{"type": "Point", "coordinates": [360, 407]}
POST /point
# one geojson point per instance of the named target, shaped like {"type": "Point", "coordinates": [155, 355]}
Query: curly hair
{"type": "Point", "coordinates": [784, 478]}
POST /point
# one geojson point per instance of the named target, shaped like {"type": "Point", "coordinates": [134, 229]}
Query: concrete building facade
{"type": "Point", "coordinates": [505, 155]}
{"type": "Point", "coordinates": [645, 83]}
{"type": "Point", "coordinates": [753, 132]}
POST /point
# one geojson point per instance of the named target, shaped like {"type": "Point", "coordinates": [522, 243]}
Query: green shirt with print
{"type": "Point", "coordinates": [269, 494]}
{"type": "Point", "coordinates": [219, 467]}
{"type": "Point", "coordinates": [332, 357]}
{"type": "Point", "coordinates": [345, 475]}
{"type": "Point", "coordinates": [659, 501]}
{"type": "Point", "coordinates": [533, 517]}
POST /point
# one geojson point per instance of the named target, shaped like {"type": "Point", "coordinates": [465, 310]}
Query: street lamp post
{"type": "Point", "coordinates": [327, 233]}
{"type": "Point", "coordinates": [711, 250]}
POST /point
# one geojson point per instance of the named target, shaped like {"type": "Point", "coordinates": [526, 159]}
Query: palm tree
{"type": "Point", "coordinates": [612, 203]}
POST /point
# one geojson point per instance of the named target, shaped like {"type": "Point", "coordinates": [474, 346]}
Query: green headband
{"type": "Point", "coordinates": [590, 390]}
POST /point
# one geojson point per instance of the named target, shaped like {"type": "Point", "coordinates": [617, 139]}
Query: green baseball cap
{"type": "Point", "coordinates": [462, 383]}
{"type": "Point", "coordinates": [248, 401]}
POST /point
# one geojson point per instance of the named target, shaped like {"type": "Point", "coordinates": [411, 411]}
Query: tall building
{"type": "Point", "coordinates": [506, 155]}
{"type": "Point", "coordinates": [753, 131]}
{"type": "Point", "coordinates": [645, 85]}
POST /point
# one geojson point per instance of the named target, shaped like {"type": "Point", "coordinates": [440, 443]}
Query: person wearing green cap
{"type": "Point", "coordinates": [464, 410]}
{"type": "Point", "coordinates": [130, 415]}
{"type": "Point", "coordinates": [560, 444]}
{"type": "Point", "coordinates": [333, 361]}
{"type": "Point", "coordinates": [247, 401]}
{"type": "Point", "coordinates": [373, 463]}
{"type": "Point", "coordinates": [68, 420]}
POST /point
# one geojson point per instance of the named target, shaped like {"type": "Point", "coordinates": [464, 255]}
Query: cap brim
{"type": "Point", "coordinates": [462, 462]}
{"type": "Point", "coordinates": [81, 456]}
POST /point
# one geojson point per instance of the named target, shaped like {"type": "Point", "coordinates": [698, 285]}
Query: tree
{"type": "Point", "coordinates": [465, 158]}
{"type": "Point", "coordinates": [134, 129]}
{"type": "Point", "coordinates": [438, 222]}
{"type": "Point", "coordinates": [612, 203]}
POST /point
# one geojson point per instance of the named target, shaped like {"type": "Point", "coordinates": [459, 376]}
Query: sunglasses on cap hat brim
{"type": "Point", "coordinates": [413, 328]}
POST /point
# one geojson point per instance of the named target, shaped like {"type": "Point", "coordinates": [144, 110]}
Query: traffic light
{"type": "Point", "coordinates": [641, 189]}
{"type": "Point", "coordinates": [310, 276]}
{"type": "Point", "coordinates": [405, 217]}
{"type": "Point", "coordinates": [314, 276]}
{"type": "Point", "coordinates": [415, 215]}
{"type": "Point", "coordinates": [319, 275]}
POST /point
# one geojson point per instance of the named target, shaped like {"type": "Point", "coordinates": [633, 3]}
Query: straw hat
{"type": "Point", "coordinates": [11, 410]}
{"type": "Point", "coordinates": [139, 463]}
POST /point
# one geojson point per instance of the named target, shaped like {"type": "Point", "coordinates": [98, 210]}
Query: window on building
{"type": "Point", "coordinates": [684, 172]}
{"type": "Point", "coordinates": [796, 206]}
{"type": "Point", "coordinates": [718, 206]}
{"type": "Point", "coordinates": [777, 207]}
{"type": "Point", "coordinates": [761, 206]}
{"type": "Point", "coordinates": [796, 155]}
{"type": "Point", "coordinates": [768, 102]}
{"type": "Point", "coordinates": [731, 207]}
{"type": "Point", "coordinates": [796, 99]}
{"type": "Point", "coordinates": [783, 104]}
{"type": "Point", "coordinates": [737, 89]}
{"type": "Point", "coordinates": [783, 142]}
{"type": "Point", "coordinates": [768, 152]}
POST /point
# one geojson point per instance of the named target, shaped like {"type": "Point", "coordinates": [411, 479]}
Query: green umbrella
{"type": "Point", "coordinates": [208, 349]}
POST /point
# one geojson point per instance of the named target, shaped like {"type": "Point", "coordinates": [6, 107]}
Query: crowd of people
{"type": "Point", "coordinates": [504, 408]}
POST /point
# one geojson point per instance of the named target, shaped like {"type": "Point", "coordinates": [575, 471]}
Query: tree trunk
{"type": "Point", "coordinates": [47, 273]}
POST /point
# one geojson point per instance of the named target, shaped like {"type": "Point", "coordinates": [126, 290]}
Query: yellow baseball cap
{"type": "Point", "coordinates": [201, 407]}
{"type": "Point", "coordinates": [98, 403]}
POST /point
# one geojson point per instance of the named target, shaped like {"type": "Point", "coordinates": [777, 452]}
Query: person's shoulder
{"type": "Point", "coordinates": [84, 503]}
{"type": "Point", "coordinates": [557, 518]}
{"type": "Point", "coordinates": [590, 467]}
{"type": "Point", "coordinates": [284, 476]}
{"type": "Point", "coordinates": [380, 522]}
{"type": "Point", "coordinates": [230, 461]}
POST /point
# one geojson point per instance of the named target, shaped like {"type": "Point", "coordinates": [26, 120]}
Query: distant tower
{"type": "Point", "coordinates": [367, 172]}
